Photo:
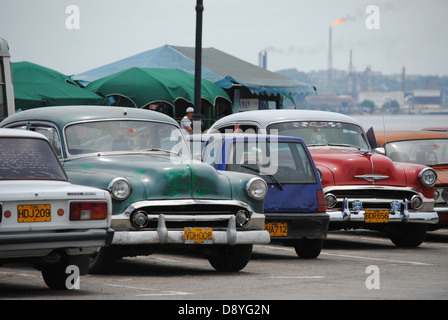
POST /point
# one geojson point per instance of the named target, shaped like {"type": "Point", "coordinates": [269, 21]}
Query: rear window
{"type": "Point", "coordinates": [28, 158]}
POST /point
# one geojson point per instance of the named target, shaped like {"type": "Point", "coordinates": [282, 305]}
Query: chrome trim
{"type": "Point", "coordinates": [404, 215]}
{"type": "Point", "coordinates": [372, 187]}
{"type": "Point", "coordinates": [372, 177]}
{"type": "Point", "coordinates": [164, 236]}
{"type": "Point", "coordinates": [377, 187]}
{"type": "Point", "coordinates": [121, 222]}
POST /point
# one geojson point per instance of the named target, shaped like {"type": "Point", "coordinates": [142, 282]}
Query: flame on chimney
{"type": "Point", "coordinates": [338, 21]}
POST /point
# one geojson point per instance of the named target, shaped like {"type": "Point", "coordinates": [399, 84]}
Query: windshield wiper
{"type": "Point", "coordinates": [279, 185]}
{"type": "Point", "coordinates": [343, 145]}
{"type": "Point", "coordinates": [163, 150]}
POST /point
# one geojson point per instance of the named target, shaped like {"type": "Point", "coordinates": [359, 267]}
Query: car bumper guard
{"type": "Point", "coordinates": [162, 235]}
{"type": "Point", "coordinates": [404, 215]}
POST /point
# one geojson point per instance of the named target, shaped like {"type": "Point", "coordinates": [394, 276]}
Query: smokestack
{"type": "Point", "coordinates": [330, 55]}
{"type": "Point", "coordinates": [262, 59]}
{"type": "Point", "coordinates": [330, 62]}
{"type": "Point", "coordinates": [403, 80]}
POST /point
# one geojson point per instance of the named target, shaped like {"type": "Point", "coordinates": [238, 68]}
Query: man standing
{"type": "Point", "coordinates": [185, 123]}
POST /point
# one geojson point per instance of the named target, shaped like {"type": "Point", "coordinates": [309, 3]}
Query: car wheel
{"type": "Point", "coordinates": [408, 235]}
{"type": "Point", "coordinates": [308, 248]}
{"type": "Point", "coordinates": [54, 275]}
{"type": "Point", "coordinates": [101, 261]}
{"type": "Point", "coordinates": [231, 258]}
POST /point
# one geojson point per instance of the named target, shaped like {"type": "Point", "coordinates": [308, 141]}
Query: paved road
{"type": "Point", "coordinates": [352, 265]}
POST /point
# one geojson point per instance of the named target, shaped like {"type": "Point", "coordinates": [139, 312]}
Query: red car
{"type": "Point", "coordinates": [429, 148]}
{"type": "Point", "coordinates": [363, 189]}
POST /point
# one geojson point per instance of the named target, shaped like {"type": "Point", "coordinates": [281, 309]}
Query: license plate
{"type": "Point", "coordinates": [198, 235]}
{"type": "Point", "coordinates": [277, 229]}
{"type": "Point", "coordinates": [34, 213]}
{"type": "Point", "coordinates": [376, 216]}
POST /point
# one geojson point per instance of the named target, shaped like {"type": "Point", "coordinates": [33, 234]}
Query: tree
{"type": "Point", "coordinates": [367, 106]}
{"type": "Point", "coordinates": [391, 107]}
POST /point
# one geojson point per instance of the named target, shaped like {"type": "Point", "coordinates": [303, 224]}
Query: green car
{"type": "Point", "coordinates": [161, 198]}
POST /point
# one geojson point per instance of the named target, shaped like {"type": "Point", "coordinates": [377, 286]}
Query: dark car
{"type": "Point", "coordinates": [294, 205]}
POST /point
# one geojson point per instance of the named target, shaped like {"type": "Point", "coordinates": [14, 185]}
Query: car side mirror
{"type": "Point", "coordinates": [380, 151]}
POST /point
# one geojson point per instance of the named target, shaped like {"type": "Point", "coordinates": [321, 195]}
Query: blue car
{"type": "Point", "coordinates": [294, 205]}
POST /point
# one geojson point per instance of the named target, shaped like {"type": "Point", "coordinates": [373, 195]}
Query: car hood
{"type": "Point", "coordinates": [344, 166]}
{"type": "Point", "coordinates": [152, 176]}
{"type": "Point", "coordinates": [442, 174]}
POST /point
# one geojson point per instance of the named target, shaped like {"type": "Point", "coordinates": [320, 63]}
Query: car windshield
{"type": "Point", "coordinates": [321, 133]}
{"type": "Point", "coordinates": [275, 161]}
{"type": "Point", "coordinates": [427, 152]}
{"type": "Point", "coordinates": [124, 135]}
{"type": "Point", "coordinates": [28, 158]}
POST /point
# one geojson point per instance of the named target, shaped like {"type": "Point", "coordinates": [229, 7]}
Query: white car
{"type": "Point", "coordinates": [44, 219]}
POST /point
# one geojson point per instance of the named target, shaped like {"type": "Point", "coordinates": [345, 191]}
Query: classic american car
{"type": "Point", "coordinates": [288, 169]}
{"type": "Point", "coordinates": [44, 219]}
{"type": "Point", "coordinates": [363, 189]}
{"type": "Point", "coordinates": [160, 196]}
{"type": "Point", "coordinates": [429, 148]}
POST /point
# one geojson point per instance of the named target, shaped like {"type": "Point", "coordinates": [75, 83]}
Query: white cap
{"type": "Point", "coordinates": [189, 109]}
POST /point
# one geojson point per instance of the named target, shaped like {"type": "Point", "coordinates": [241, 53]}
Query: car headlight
{"type": "Point", "coordinates": [428, 177]}
{"type": "Point", "coordinates": [119, 189]}
{"type": "Point", "coordinates": [256, 188]}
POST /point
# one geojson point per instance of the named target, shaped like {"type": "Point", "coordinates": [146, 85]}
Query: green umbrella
{"type": "Point", "coordinates": [144, 86]}
{"type": "Point", "coordinates": [36, 86]}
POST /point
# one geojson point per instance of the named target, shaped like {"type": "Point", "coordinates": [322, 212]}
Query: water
{"type": "Point", "coordinates": [402, 121]}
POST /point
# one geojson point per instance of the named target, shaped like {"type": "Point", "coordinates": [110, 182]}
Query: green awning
{"type": "Point", "coordinates": [36, 86]}
{"type": "Point", "coordinates": [144, 86]}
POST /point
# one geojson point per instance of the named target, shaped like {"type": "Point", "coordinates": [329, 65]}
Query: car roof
{"type": "Point", "coordinates": [265, 117]}
{"type": "Point", "coordinates": [18, 133]}
{"type": "Point", "coordinates": [397, 135]}
{"type": "Point", "coordinates": [68, 114]}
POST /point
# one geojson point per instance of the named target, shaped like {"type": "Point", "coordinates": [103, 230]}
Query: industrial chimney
{"type": "Point", "coordinates": [262, 59]}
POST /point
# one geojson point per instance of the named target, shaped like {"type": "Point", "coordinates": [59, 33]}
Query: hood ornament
{"type": "Point", "coordinates": [372, 177]}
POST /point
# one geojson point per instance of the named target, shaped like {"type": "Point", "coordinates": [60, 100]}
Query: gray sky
{"type": "Point", "coordinates": [294, 32]}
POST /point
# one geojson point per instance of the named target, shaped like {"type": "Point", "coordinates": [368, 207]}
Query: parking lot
{"type": "Point", "coordinates": [352, 265]}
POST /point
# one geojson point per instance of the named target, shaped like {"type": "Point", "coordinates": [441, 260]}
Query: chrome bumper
{"type": "Point", "coordinates": [34, 244]}
{"type": "Point", "coordinates": [164, 236]}
{"type": "Point", "coordinates": [404, 215]}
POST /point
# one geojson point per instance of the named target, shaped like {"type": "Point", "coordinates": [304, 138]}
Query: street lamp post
{"type": "Point", "coordinates": [198, 65]}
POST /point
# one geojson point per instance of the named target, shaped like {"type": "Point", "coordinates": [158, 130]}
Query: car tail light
{"type": "Point", "coordinates": [88, 211]}
{"type": "Point", "coordinates": [321, 206]}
